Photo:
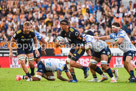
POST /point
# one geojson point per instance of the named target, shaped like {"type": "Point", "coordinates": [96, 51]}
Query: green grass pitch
{"type": "Point", "coordinates": [9, 83]}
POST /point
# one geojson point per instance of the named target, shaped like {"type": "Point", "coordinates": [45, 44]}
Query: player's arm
{"type": "Point", "coordinates": [103, 37]}
{"type": "Point", "coordinates": [119, 41]}
{"type": "Point", "coordinates": [59, 76]}
{"type": "Point", "coordinates": [88, 52]}
{"type": "Point", "coordinates": [43, 45]}
{"type": "Point", "coordinates": [47, 77]}
{"type": "Point", "coordinates": [37, 78]}
{"type": "Point", "coordinates": [12, 41]}
{"type": "Point", "coordinates": [36, 50]}
{"type": "Point", "coordinates": [68, 75]}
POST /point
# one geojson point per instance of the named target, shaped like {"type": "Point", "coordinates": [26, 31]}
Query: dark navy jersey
{"type": "Point", "coordinates": [22, 38]}
{"type": "Point", "coordinates": [73, 36]}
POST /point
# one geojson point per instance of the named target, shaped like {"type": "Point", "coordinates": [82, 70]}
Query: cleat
{"type": "Point", "coordinates": [86, 72]}
{"type": "Point", "coordinates": [18, 78]}
{"type": "Point", "coordinates": [29, 79]}
{"type": "Point", "coordinates": [116, 74]}
{"type": "Point", "coordinates": [113, 80]}
{"type": "Point", "coordinates": [93, 80]}
{"type": "Point", "coordinates": [103, 78]}
{"type": "Point", "coordinates": [73, 81]}
{"type": "Point", "coordinates": [132, 79]}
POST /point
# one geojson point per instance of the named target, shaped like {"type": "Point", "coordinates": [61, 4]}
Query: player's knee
{"type": "Point", "coordinates": [93, 62]}
{"type": "Point", "coordinates": [21, 58]}
{"type": "Point", "coordinates": [30, 59]}
{"type": "Point", "coordinates": [103, 63]}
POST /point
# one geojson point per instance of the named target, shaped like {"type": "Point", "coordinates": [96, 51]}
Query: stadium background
{"type": "Point", "coordinates": [13, 14]}
{"type": "Point", "coordinates": [93, 16]}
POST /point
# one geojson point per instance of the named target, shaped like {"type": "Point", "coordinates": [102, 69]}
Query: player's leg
{"type": "Point", "coordinates": [73, 62]}
{"type": "Point", "coordinates": [31, 62]}
{"type": "Point", "coordinates": [21, 58]}
{"type": "Point", "coordinates": [71, 69]}
{"type": "Point", "coordinates": [93, 66]}
{"type": "Point", "coordinates": [127, 57]}
{"type": "Point", "coordinates": [37, 78]}
{"type": "Point", "coordinates": [95, 79]}
{"type": "Point", "coordinates": [115, 72]}
{"type": "Point", "coordinates": [107, 69]}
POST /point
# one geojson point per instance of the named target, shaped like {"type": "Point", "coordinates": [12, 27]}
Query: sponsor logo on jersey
{"type": "Point", "coordinates": [22, 37]}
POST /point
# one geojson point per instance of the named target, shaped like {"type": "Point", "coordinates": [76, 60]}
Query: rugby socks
{"type": "Point", "coordinates": [32, 71]}
{"type": "Point", "coordinates": [98, 70]}
{"type": "Point", "coordinates": [94, 76]}
{"type": "Point", "coordinates": [22, 77]}
{"type": "Point", "coordinates": [73, 75]}
{"type": "Point", "coordinates": [27, 74]}
{"type": "Point", "coordinates": [132, 73]}
{"type": "Point", "coordinates": [109, 72]}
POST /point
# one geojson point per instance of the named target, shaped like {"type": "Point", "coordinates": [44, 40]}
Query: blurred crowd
{"type": "Point", "coordinates": [93, 17]}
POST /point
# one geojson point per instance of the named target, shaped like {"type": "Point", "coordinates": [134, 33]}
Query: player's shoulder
{"type": "Point", "coordinates": [73, 29]}
{"type": "Point", "coordinates": [18, 31]}
{"type": "Point", "coordinates": [32, 31]}
{"type": "Point", "coordinates": [121, 32]}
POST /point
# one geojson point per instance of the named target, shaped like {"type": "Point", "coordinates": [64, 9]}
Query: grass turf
{"type": "Point", "coordinates": [9, 83]}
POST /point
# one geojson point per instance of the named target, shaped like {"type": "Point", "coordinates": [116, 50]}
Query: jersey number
{"type": "Point", "coordinates": [49, 63]}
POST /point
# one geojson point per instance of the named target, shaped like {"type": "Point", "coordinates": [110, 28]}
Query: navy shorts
{"type": "Point", "coordinates": [25, 51]}
{"type": "Point", "coordinates": [35, 54]}
{"type": "Point", "coordinates": [129, 53]}
{"type": "Point", "coordinates": [105, 51]}
{"type": "Point", "coordinates": [41, 67]}
{"type": "Point", "coordinates": [77, 53]}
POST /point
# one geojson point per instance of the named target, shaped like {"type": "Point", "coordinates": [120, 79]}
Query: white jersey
{"type": "Point", "coordinates": [97, 45]}
{"type": "Point", "coordinates": [39, 37]}
{"type": "Point", "coordinates": [126, 45]}
{"type": "Point", "coordinates": [52, 64]}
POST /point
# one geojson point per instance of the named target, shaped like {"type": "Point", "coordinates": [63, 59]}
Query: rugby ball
{"type": "Point", "coordinates": [61, 39]}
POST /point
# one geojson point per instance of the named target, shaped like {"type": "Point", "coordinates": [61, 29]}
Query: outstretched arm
{"type": "Point", "coordinates": [10, 47]}
{"type": "Point", "coordinates": [60, 77]}
{"type": "Point", "coordinates": [104, 37]}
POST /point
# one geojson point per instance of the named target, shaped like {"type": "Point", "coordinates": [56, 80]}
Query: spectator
{"type": "Point", "coordinates": [58, 51]}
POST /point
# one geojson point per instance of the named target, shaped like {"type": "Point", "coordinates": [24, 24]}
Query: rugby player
{"type": "Point", "coordinates": [24, 39]}
{"type": "Point", "coordinates": [40, 49]}
{"type": "Point", "coordinates": [76, 39]}
{"type": "Point", "coordinates": [46, 69]}
{"type": "Point", "coordinates": [100, 53]}
{"type": "Point", "coordinates": [124, 43]}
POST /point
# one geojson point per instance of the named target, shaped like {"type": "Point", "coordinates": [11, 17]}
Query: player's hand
{"type": "Point", "coordinates": [43, 52]}
{"type": "Point", "coordinates": [10, 55]}
{"type": "Point", "coordinates": [97, 38]}
{"type": "Point", "coordinates": [37, 53]}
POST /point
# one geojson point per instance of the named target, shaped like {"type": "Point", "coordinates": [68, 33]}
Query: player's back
{"type": "Point", "coordinates": [97, 45]}
{"type": "Point", "coordinates": [53, 64]}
